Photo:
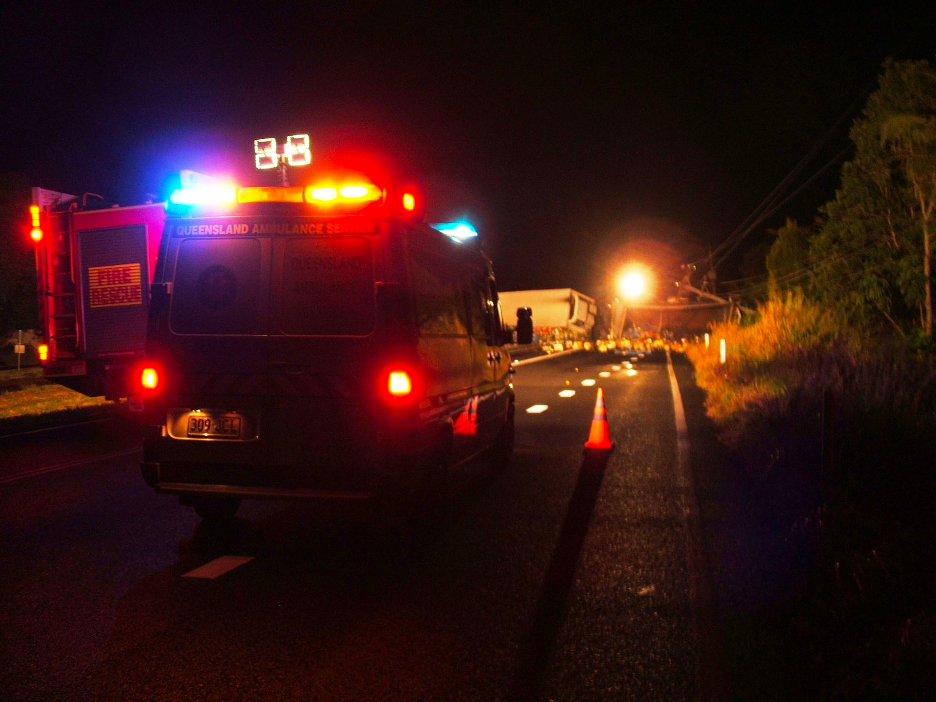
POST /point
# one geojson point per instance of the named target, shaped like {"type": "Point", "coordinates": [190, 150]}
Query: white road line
{"type": "Point", "coordinates": [604, 374]}
{"type": "Point", "coordinates": [62, 466]}
{"type": "Point", "coordinates": [588, 382]}
{"type": "Point", "coordinates": [218, 567]}
{"type": "Point", "coordinates": [537, 409]}
{"type": "Point", "coordinates": [700, 589]}
{"type": "Point", "coordinates": [535, 359]}
{"type": "Point", "coordinates": [567, 393]}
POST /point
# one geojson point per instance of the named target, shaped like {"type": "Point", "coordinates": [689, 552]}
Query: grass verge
{"type": "Point", "coordinates": [835, 594]}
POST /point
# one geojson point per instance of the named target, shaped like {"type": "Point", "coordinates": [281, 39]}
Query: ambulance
{"type": "Point", "coordinates": [318, 342]}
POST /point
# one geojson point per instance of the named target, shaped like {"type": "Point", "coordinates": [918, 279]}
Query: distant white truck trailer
{"type": "Point", "coordinates": [559, 314]}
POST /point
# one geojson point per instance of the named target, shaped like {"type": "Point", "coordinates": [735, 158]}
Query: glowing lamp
{"type": "Point", "coordinates": [634, 284]}
{"type": "Point", "coordinates": [321, 194]}
{"type": "Point", "coordinates": [149, 378]}
{"type": "Point", "coordinates": [353, 191]}
{"type": "Point", "coordinates": [208, 195]}
{"type": "Point", "coordinates": [399, 383]}
{"type": "Point", "coordinates": [36, 232]}
{"type": "Point", "coordinates": [43, 351]}
{"type": "Point", "coordinates": [409, 202]}
{"type": "Point", "coordinates": [459, 231]}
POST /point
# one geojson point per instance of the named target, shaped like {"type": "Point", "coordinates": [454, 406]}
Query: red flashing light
{"type": "Point", "coordinates": [399, 383]}
{"type": "Point", "coordinates": [36, 232]}
{"type": "Point", "coordinates": [43, 351]}
{"type": "Point", "coordinates": [409, 202]}
{"type": "Point", "coordinates": [149, 378]}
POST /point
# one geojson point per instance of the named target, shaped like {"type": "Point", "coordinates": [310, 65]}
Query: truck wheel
{"type": "Point", "coordinates": [216, 510]}
{"type": "Point", "coordinates": [502, 449]}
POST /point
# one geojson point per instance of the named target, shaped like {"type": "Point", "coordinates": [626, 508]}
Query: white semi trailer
{"type": "Point", "coordinates": [560, 315]}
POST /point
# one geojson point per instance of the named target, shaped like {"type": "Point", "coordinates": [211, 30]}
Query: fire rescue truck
{"type": "Point", "coordinates": [93, 266]}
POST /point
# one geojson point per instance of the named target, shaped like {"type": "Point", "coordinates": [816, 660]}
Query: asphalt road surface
{"type": "Point", "coordinates": [559, 579]}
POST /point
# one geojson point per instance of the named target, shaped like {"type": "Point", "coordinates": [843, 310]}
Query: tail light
{"type": "Point", "coordinates": [409, 202]}
{"type": "Point", "coordinates": [399, 383]}
{"type": "Point", "coordinates": [150, 379]}
{"type": "Point", "coordinates": [36, 232]}
{"type": "Point", "coordinates": [43, 351]}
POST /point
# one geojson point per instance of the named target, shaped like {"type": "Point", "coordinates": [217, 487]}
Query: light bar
{"type": "Point", "coordinates": [254, 194]}
{"type": "Point", "coordinates": [352, 192]}
{"type": "Point", "coordinates": [204, 196]}
{"type": "Point", "coordinates": [313, 194]}
{"type": "Point", "coordinates": [459, 231]}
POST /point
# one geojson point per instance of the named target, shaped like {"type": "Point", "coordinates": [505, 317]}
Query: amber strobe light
{"type": "Point", "coordinates": [149, 378]}
{"type": "Point", "coordinates": [399, 384]}
{"type": "Point", "coordinates": [36, 232]}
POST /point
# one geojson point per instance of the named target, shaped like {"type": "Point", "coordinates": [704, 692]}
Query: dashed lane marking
{"type": "Point", "coordinates": [604, 374]}
{"type": "Point", "coordinates": [567, 393]}
{"type": "Point", "coordinates": [218, 567]}
{"type": "Point", "coordinates": [588, 382]}
{"type": "Point", "coordinates": [537, 409]}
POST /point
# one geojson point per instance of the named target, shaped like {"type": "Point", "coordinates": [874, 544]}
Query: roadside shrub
{"type": "Point", "coordinates": [846, 529]}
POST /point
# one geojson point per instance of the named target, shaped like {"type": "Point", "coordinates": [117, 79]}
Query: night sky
{"type": "Point", "coordinates": [574, 139]}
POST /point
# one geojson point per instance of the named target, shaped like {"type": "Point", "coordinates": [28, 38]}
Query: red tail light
{"type": "Point", "coordinates": [36, 232]}
{"type": "Point", "coordinates": [149, 378]}
{"type": "Point", "coordinates": [399, 383]}
{"type": "Point", "coordinates": [409, 202]}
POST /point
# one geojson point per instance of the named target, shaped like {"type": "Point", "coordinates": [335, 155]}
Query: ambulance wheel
{"type": "Point", "coordinates": [216, 510]}
{"type": "Point", "coordinates": [502, 449]}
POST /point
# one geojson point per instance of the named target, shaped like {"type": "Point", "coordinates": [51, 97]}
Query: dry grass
{"type": "Point", "coordinates": [41, 399]}
{"type": "Point", "coordinates": [853, 539]}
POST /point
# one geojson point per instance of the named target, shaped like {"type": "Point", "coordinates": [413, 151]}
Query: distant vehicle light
{"type": "Point", "coordinates": [459, 231]}
{"type": "Point", "coordinates": [399, 383]}
{"type": "Point", "coordinates": [35, 234]}
{"type": "Point", "coordinates": [149, 378]}
{"type": "Point", "coordinates": [409, 202]}
{"type": "Point", "coordinates": [204, 196]}
{"type": "Point", "coordinates": [321, 194]}
{"type": "Point", "coordinates": [43, 351]}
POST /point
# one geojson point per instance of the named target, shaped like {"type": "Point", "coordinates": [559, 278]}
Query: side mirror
{"type": "Point", "coordinates": [524, 325]}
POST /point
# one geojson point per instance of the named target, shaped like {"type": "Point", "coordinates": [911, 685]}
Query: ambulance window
{"type": "Point", "coordinates": [440, 304]}
{"type": "Point", "coordinates": [327, 287]}
{"type": "Point", "coordinates": [217, 287]}
{"type": "Point", "coordinates": [477, 302]}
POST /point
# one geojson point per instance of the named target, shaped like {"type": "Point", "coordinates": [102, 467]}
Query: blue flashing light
{"type": "Point", "coordinates": [458, 231]}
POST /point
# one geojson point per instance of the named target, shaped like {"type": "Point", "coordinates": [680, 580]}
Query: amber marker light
{"type": "Point", "coordinates": [43, 352]}
{"type": "Point", "coordinates": [409, 202]}
{"type": "Point", "coordinates": [399, 383]}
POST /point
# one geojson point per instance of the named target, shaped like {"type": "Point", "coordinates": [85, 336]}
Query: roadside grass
{"type": "Point", "coordinates": [41, 399]}
{"type": "Point", "coordinates": [846, 542]}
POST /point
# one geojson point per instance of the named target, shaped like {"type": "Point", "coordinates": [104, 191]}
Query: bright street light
{"type": "Point", "coordinates": [634, 284]}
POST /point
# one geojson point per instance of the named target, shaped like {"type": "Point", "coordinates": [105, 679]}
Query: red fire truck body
{"type": "Point", "coordinates": [94, 268]}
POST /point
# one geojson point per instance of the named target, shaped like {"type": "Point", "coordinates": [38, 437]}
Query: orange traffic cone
{"type": "Point", "coordinates": [599, 436]}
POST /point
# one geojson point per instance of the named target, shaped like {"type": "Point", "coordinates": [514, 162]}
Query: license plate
{"type": "Point", "coordinates": [205, 425]}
